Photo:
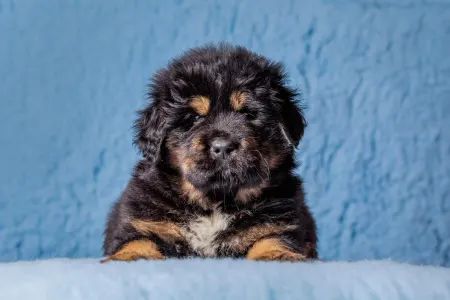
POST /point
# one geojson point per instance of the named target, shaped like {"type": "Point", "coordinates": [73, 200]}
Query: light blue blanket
{"type": "Point", "coordinates": [221, 279]}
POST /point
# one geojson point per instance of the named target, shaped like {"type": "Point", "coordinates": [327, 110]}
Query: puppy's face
{"type": "Point", "coordinates": [223, 118]}
{"type": "Point", "coordinates": [227, 142]}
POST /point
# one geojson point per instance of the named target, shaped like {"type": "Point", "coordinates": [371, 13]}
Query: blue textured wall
{"type": "Point", "coordinates": [376, 78]}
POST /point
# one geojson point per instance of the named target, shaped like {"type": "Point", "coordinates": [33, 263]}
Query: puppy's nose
{"type": "Point", "coordinates": [221, 148]}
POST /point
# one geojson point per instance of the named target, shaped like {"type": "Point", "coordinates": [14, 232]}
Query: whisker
{"type": "Point", "coordinates": [267, 168]}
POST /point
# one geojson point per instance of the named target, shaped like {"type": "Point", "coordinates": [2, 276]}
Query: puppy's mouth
{"type": "Point", "coordinates": [226, 177]}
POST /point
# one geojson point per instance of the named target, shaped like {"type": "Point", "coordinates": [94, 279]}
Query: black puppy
{"type": "Point", "coordinates": [216, 180]}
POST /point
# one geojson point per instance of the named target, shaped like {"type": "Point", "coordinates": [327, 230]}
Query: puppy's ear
{"type": "Point", "coordinates": [293, 122]}
{"type": "Point", "coordinates": [150, 130]}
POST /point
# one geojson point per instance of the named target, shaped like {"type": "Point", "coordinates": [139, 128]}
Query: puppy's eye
{"type": "Point", "coordinates": [250, 116]}
{"type": "Point", "coordinates": [198, 118]}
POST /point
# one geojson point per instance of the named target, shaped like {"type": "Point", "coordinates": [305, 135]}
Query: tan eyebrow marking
{"type": "Point", "coordinates": [200, 104]}
{"type": "Point", "coordinates": [238, 99]}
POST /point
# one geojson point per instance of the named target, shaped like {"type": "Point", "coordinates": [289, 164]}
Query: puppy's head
{"type": "Point", "coordinates": [222, 116]}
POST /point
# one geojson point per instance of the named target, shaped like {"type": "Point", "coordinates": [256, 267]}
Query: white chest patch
{"type": "Point", "coordinates": [202, 231]}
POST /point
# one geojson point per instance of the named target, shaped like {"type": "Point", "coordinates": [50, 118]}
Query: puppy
{"type": "Point", "coordinates": [216, 178]}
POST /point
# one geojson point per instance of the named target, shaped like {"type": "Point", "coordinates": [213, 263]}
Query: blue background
{"type": "Point", "coordinates": [375, 77]}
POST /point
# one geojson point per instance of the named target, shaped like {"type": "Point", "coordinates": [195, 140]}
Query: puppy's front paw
{"type": "Point", "coordinates": [140, 249]}
{"type": "Point", "coordinates": [273, 249]}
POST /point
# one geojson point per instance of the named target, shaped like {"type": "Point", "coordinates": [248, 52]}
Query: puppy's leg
{"type": "Point", "coordinates": [138, 249]}
{"type": "Point", "coordinates": [150, 240]}
{"type": "Point", "coordinates": [273, 249]}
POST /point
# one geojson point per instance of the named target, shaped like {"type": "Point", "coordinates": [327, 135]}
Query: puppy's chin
{"type": "Point", "coordinates": [224, 180]}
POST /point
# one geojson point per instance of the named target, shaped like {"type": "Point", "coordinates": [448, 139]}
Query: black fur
{"type": "Point", "coordinates": [271, 124]}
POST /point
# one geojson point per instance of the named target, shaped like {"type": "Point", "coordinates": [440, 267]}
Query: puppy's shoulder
{"type": "Point", "coordinates": [288, 186]}
{"type": "Point", "coordinates": [149, 193]}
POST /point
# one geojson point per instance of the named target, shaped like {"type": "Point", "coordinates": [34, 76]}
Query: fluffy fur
{"type": "Point", "coordinates": [218, 141]}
